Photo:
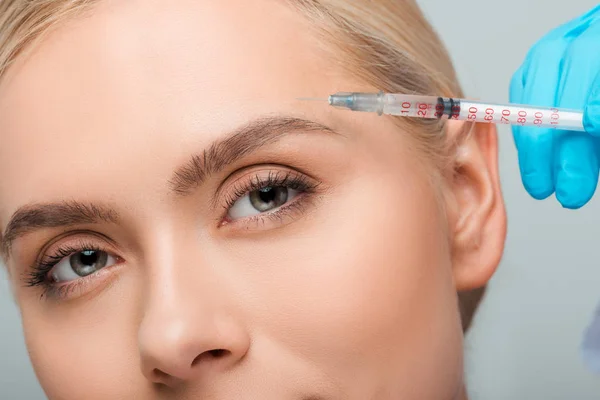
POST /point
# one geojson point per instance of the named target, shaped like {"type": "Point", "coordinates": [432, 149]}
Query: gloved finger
{"type": "Point", "coordinates": [539, 80]}
{"type": "Point", "coordinates": [576, 158]}
{"type": "Point", "coordinates": [566, 31]}
{"type": "Point", "coordinates": [574, 27]}
{"type": "Point", "coordinates": [536, 83]}
{"type": "Point", "coordinates": [591, 113]}
{"type": "Point", "coordinates": [576, 169]}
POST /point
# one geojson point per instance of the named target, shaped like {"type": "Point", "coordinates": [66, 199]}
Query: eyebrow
{"type": "Point", "coordinates": [52, 215]}
{"type": "Point", "coordinates": [241, 142]}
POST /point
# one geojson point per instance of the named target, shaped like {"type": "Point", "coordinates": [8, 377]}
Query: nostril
{"type": "Point", "coordinates": [211, 354]}
{"type": "Point", "coordinates": [217, 353]}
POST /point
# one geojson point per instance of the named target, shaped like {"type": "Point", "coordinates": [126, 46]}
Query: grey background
{"type": "Point", "coordinates": [525, 342]}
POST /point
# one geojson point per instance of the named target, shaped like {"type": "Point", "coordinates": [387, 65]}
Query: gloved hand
{"type": "Point", "coordinates": [562, 70]}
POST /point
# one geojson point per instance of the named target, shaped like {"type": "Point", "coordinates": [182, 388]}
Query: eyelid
{"type": "Point", "coordinates": [242, 172]}
{"type": "Point", "coordinates": [32, 273]}
{"type": "Point", "coordinates": [288, 211]}
{"type": "Point", "coordinates": [56, 240]}
{"type": "Point", "coordinates": [37, 275]}
{"type": "Point", "coordinates": [308, 188]}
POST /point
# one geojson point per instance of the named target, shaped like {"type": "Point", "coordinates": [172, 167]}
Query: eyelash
{"type": "Point", "coordinates": [39, 275]}
{"type": "Point", "coordinates": [287, 179]}
{"type": "Point", "coordinates": [41, 269]}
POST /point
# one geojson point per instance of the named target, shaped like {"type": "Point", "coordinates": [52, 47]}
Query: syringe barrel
{"type": "Point", "coordinates": [414, 106]}
{"type": "Point", "coordinates": [388, 103]}
{"type": "Point", "coordinates": [460, 109]}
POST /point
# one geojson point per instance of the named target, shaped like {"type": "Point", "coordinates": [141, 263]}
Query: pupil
{"type": "Point", "coordinates": [267, 194]}
{"type": "Point", "coordinates": [88, 257]}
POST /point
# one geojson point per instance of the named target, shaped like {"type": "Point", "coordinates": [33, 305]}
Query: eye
{"type": "Point", "coordinates": [80, 264]}
{"type": "Point", "coordinates": [262, 200]}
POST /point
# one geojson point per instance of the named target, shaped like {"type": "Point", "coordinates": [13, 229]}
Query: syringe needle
{"type": "Point", "coordinates": [311, 99]}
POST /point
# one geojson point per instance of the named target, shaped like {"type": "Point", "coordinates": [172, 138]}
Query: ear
{"type": "Point", "coordinates": [478, 216]}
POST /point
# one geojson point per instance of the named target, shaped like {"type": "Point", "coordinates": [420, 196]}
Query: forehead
{"type": "Point", "coordinates": [165, 39]}
{"type": "Point", "coordinates": [127, 54]}
{"type": "Point", "coordinates": [148, 76]}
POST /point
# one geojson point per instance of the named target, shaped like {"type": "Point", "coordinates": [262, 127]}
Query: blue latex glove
{"type": "Point", "coordinates": [562, 70]}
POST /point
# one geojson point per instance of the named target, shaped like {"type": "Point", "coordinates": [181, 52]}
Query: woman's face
{"type": "Point", "coordinates": [177, 224]}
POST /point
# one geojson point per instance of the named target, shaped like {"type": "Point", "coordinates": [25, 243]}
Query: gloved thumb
{"type": "Point", "coordinates": [591, 113]}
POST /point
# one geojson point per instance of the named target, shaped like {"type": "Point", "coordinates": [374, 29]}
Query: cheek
{"type": "Point", "coordinates": [86, 352]}
{"type": "Point", "coordinates": [365, 290]}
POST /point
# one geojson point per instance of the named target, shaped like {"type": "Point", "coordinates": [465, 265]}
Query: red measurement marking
{"type": "Point", "coordinates": [406, 107]}
{"type": "Point", "coordinates": [472, 113]}
{"type": "Point", "coordinates": [504, 119]}
{"type": "Point", "coordinates": [554, 117]}
{"type": "Point", "coordinates": [439, 110]}
{"type": "Point", "coordinates": [522, 117]}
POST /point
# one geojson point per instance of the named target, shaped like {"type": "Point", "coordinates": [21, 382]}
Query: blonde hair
{"type": "Point", "coordinates": [387, 44]}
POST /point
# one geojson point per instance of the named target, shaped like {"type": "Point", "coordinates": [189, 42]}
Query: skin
{"type": "Point", "coordinates": [350, 294]}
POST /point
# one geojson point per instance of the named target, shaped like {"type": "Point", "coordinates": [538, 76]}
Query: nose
{"type": "Point", "coordinates": [179, 342]}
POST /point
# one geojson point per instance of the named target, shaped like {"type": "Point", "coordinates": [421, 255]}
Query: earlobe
{"type": "Point", "coordinates": [479, 222]}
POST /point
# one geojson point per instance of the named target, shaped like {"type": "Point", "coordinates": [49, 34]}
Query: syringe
{"type": "Point", "coordinates": [459, 109]}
